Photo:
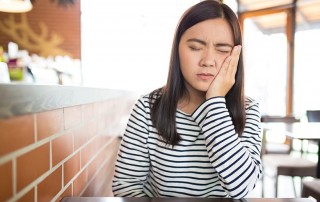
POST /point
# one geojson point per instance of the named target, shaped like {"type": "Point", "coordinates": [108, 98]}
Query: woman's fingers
{"type": "Point", "coordinates": [234, 61]}
{"type": "Point", "coordinates": [226, 64]}
{"type": "Point", "coordinates": [225, 78]}
{"type": "Point", "coordinates": [231, 62]}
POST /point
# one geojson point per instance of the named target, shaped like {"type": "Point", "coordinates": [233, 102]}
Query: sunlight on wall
{"type": "Point", "coordinates": [307, 71]}
{"type": "Point", "coordinates": [265, 60]}
{"type": "Point", "coordinates": [126, 44]}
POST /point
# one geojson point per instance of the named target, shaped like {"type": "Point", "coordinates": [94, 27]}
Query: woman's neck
{"type": "Point", "coordinates": [191, 100]}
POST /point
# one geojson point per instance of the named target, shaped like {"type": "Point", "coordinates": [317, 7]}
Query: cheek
{"type": "Point", "coordinates": [220, 60]}
{"type": "Point", "coordinates": [187, 60]}
{"type": "Point", "coordinates": [182, 57]}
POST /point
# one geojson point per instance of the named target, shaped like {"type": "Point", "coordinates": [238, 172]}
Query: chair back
{"type": "Point", "coordinates": [286, 146]}
{"type": "Point", "coordinates": [313, 115]}
{"type": "Point", "coordinates": [284, 119]}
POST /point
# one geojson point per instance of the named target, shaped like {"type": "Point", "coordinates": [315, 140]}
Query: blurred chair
{"type": "Point", "coordinates": [311, 188]}
{"type": "Point", "coordinates": [275, 165]}
{"type": "Point", "coordinates": [312, 116]}
{"type": "Point", "coordinates": [277, 148]}
{"type": "Point", "coordinates": [278, 162]}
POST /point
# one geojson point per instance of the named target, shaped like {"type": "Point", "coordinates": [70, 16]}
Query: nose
{"type": "Point", "coordinates": [208, 59]}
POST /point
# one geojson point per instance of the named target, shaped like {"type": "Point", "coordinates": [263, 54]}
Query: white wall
{"type": "Point", "coordinates": [126, 44]}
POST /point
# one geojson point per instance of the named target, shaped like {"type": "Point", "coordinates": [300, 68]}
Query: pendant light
{"type": "Point", "coordinates": [15, 6]}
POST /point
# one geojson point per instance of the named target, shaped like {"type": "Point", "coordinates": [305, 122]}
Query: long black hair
{"type": "Point", "coordinates": [163, 110]}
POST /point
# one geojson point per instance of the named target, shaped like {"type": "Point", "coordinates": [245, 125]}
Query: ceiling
{"type": "Point", "coordinates": [308, 14]}
{"type": "Point", "coordinates": [245, 5]}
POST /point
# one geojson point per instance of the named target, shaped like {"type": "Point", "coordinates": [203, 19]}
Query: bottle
{"type": "Point", "coordinates": [2, 58]}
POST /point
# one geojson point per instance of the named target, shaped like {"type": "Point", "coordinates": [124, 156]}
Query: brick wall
{"type": "Point", "coordinates": [64, 152]}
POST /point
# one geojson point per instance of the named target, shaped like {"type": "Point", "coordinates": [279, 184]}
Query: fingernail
{"type": "Point", "coordinates": [239, 48]}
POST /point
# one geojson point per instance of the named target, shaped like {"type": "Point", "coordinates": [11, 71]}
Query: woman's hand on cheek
{"type": "Point", "coordinates": [225, 78]}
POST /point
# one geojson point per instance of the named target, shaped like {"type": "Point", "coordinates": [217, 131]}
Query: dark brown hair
{"type": "Point", "coordinates": [163, 110]}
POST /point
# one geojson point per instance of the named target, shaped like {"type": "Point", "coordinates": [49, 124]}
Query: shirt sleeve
{"type": "Point", "coordinates": [236, 159]}
{"type": "Point", "coordinates": [132, 165]}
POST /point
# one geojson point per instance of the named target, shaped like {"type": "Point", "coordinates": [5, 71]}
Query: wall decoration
{"type": "Point", "coordinates": [44, 43]}
{"type": "Point", "coordinates": [51, 28]}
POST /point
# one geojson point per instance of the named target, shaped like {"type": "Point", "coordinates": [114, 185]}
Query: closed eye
{"type": "Point", "coordinates": [224, 51]}
{"type": "Point", "coordinates": [223, 48]}
{"type": "Point", "coordinates": [194, 48]}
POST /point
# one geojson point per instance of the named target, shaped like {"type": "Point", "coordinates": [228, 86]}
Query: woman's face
{"type": "Point", "coordinates": [202, 51]}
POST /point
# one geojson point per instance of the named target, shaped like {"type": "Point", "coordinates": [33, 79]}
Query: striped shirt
{"type": "Point", "coordinates": [210, 160]}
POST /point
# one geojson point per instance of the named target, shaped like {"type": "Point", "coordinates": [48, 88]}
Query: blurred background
{"type": "Point", "coordinates": [125, 45]}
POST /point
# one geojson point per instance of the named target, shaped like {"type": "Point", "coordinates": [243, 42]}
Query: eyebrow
{"type": "Point", "coordinates": [197, 40]}
{"type": "Point", "coordinates": [204, 43]}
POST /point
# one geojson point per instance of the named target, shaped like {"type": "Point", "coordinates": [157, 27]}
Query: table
{"type": "Point", "coordinates": [145, 199]}
{"type": "Point", "coordinates": [302, 131]}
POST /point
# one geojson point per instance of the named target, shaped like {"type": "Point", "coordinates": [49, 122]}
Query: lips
{"type": "Point", "coordinates": [205, 76]}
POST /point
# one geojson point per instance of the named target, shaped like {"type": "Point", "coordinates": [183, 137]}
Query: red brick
{"type": "Point", "coordinates": [92, 128]}
{"type": "Point", "coordinates": [32, 165]}
{"type": "Point", "coordinates": [62, 147]}
{"type": "Point", "coordinates": [67, 192]}
{"type": "Point", "coordinates": [71, 167]}
{"type": "Point", "coordinates": [90, 150]}
{"type": "Point", "coordinates": [6, 190]}
{"type": "Point", "coordinates": [80, 136]}
{"type": "Point", "coordinates": [49, 123]}
{"type": "Point", "coordinates": [72, 116]}
{"type": "Point", "coordinates": [50, 186]}
{"type": "Point", "coordinates": [79, 183]}
{"type": "Point", "coordinates": [16, 133]}
{"type": "Point", "coordinates": [87, 112]}
{"type": "Point", "coordinates": [28, 197]}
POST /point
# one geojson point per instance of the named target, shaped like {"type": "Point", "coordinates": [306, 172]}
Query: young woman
{"type": "Point", "coordinates": [197, 136]}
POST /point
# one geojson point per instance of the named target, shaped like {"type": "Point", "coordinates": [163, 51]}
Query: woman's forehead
{"type": "Point", "coordinates": [213, 30]}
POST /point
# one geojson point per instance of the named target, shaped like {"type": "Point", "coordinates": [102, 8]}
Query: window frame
{"type": "Point", "coordinates": [290, 9]}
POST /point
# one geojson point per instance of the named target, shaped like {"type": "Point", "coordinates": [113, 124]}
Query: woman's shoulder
{"type": "Point", "coordinates": [149, 98]}
{"type": "Point", "coordinates": [152, 96]}
{"type": "Point", "coordinates": [250, 103]}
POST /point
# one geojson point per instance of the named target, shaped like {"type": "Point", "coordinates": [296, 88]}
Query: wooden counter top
{"type": "Point", "coordinates": [146, 199]}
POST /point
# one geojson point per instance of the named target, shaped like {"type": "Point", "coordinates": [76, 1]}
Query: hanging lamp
{"type": "Point", "coordinates": [15, 6]}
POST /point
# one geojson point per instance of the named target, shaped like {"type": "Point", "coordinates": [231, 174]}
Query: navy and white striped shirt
{"type": "Point", "coordinates": [210, 160]}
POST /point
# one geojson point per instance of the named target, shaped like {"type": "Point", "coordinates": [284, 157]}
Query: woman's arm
{"type": "Point", "coordinates": [236, 159]}
{"type": "Point", "coordinates": [132, 165]}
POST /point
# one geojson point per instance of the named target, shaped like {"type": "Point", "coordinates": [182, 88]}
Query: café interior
{"type": "Point", "coordinates": [71, 71]}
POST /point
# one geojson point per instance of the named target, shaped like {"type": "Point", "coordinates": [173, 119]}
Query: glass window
{"type": "Point", "coordinates": [307, 63]}
{"type": "Point", "coordinates": [265, 62]}
{"type": "Point", "coordinates": [126, 44]}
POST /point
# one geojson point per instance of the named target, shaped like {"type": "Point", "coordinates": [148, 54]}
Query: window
{"type": "Point", "coordinates": [301, 66]}
{"type": "Point", "coordinates": [265, 62]}
{"type": "Point", "coordinates": [126, 44]}
{"type": "Point", "coordinates": [307, 63]}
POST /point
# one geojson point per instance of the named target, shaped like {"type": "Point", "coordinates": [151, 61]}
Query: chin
{"type": "Point", "coordinates": [198, 87]}
{"type": "Point", "coordinates": [203, 89]}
